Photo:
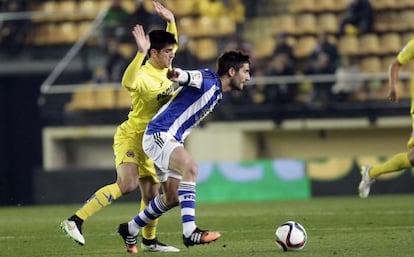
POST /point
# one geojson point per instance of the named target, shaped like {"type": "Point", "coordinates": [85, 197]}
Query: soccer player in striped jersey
{"type": "Point", "coordinates": [150, 89]}
{"type": "Point", "coordinates": [199, 93]}
{"type": "Point", "coordinates": [399, 161]}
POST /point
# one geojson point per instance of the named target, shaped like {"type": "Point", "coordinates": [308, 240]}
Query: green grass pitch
{"type": "Point", "coordinates": [336, 226]}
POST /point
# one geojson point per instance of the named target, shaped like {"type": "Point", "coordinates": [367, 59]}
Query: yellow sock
{"type": "Point", "coordinates": [150, 230]}
{"type": "Point", "coordinates": [398, 162]}
{"type": "Point", "coordinates": [101, 198]}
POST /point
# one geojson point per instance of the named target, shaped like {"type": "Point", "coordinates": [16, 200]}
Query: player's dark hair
{"type": "Point", "coordinates": [231, 59]}
{"type": "Point", "coordinates": [160, 39]}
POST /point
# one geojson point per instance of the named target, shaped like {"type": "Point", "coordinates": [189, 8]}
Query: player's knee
{"type": "Point", "coordinates": [127, 186]}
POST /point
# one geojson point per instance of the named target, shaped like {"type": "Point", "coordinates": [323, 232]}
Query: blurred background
{"type": "Point", "coordinates": [316, 107]}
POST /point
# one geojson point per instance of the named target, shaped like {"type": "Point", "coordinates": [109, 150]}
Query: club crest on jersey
{"type": "Point", "coordinates": [130, 154]}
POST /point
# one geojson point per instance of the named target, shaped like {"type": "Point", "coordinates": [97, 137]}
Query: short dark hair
{"type": "Point", "coordinates": [160, 39]}
{"type": "Point", "coordinates": [231, 59]}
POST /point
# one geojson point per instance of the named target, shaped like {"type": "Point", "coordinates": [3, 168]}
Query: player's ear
{"type": "Point", "coordinates": [231, 72]}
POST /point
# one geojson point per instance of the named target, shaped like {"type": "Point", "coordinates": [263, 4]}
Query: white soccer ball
{"type": "Point", "coordinates": [291, 236]}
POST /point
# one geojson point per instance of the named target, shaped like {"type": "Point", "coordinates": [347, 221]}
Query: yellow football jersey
{"type": "Point", "coordinates": [149, 88]}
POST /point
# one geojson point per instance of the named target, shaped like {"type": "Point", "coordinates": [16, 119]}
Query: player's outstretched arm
{"type": "Point", "coordinates": [143, 44]}
{"type": "Point", "coordinates": [163, 12]}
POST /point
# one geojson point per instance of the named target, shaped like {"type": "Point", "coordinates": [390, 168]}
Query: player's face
{"type": "Point", "coordinates": [164, 57]}
{"type": "Point", "coordinates": [240, 77]}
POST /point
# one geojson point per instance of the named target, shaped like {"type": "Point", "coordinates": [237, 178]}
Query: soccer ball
{"type": "Point", "coordinates": [291, 236]}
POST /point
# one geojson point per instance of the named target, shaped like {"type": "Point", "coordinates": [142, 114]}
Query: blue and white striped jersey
{"type": "Point", "coordinates": [188, 107]}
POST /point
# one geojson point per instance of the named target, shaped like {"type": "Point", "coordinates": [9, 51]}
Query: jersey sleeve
{"type": "Point", "coordinates": [129, 77]}
{"type": "Point", "coordinates": [172, 28]}
{"type": "Point", "coordinates": [407, 53]}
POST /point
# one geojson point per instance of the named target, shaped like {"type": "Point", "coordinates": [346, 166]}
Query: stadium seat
{"type": "Point", "coordinates": [327, 22]}
{"type": "Point", "coordinates": [263, 48]}
{"type": "Point", "coordinates": [186, 26]}
{"type": "Point", "coordinates": [306, 24]}
{"type": "Point", "coordinates": [304, 46]}
{"type": "Point", "coordinates": [390, 43]}
{"type": "Point", "coordinates": [382, 21]}
{"type": "Point", "coordinates": [300, 6]}
{"type": "Point", "coordinates": [67, 32]}
{"type": "Point", "coordinates": [382, 4]}
{"type": "Point", "coordinates": [348, 45]}
{"type": "Point", "coordinates": [129, 5]}
{"type": "Point", "coordinates": [407, 16]}
{"type": "Point", "coordinates": [285, 23]}
{"type": "Point", "coordinates": [127, 49]}
{"type": "Point", "coordinates": [205, 26]}
{"type": "Point", "coordinates": [67, 10]}
{"type": "Point", "coordinates": [44, 33]}
{"type": "Point", "coordinates": [406, 37]}
{"type": "Point", "coordinates": [104, 98]}
{"type": "Point", "coordinates": [123, 98]}
{"type": "Point", "coordinates": [181, 7]}
{"type": "Point", "coordinates": [82, 99]}
{"type": "Point", "coordinates": [371, 64]}
{"type": "Point", "coordinates": [225, 25]}
{"type": "Point", "coordinates": [386, 61]}
{"type": "Point", "coordinates": [206, 49]}
{"type": "Point", "coordinates": [369, 44]}
{"type": "Point", "coordinates": [89, 9]}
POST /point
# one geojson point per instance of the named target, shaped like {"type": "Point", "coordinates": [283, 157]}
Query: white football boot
{"type": "Point", "coordinates": [366, 182]}
{"type": "Point", "coordinates": [71, 229]}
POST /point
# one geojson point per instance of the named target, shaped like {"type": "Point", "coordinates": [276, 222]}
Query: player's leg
{"type": "Point", "coordinates": [180, 160]}
{"type": "Point", "coordinates": [398, 162]}
{"type": "Point", "coordinates": [127, 181]}
{"type": "Point", "coordinates": [150, 187]}
{"type": "Point", "coordinates": [126, 152]}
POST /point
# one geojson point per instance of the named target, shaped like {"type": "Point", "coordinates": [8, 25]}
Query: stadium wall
{"type": "Point", "coordinates": [261, 180]}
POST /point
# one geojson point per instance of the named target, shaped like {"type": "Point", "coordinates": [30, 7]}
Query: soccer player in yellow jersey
{"type": "Point", "coordinates": [149, 88]}
{"type": "Point", "coordinates": [401, 160]}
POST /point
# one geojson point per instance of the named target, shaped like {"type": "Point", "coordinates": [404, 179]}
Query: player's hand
{"type": "Point", "coordinates": [173, 74]}
{"type": "Point", "coordinates": [141, 39]}
{"type": "Point", "coordinates": [163, 12]}
{"type": "Point", "coordinates": [393, 94]}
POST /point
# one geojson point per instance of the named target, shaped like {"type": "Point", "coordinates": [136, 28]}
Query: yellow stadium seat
{"type": "Point", "coordinates": [407, 37]}
{"type": "Point", "coordinates": [89, 9]}
{"type": "Point", "coordinates": [206, 49]}
{"type": "Point", "coordinates": [44, 34]}
{"type": "Point", "coordinates": [186, 26]}
{"type": "Point", "coordinates": [181, 7]}
{"type": "Point", "coordinates": [371, 64]}
{"type": "Point", "coordinates": [123, 99]}
{"type": "Point", "coordinates": [225, 25]}
{"type": "Point", "coordinates": [304, 46]}
{"type": "Point", "coordinates": [263, 48]}
{"type": "Point", "coordinates": [67, 10]}
{"type": "Point", "coordinates": [382, 4]}
{"type": "Point", "coordinates": [327, 22]}
{"type": "Point", "coordinates": [285, 23]}
{"type": "Point", "coordinates": [67, 32]}
{"type": "Point", "coordinates": [206, 26]}
{"type": "Point", "coordinates": [306, 24]}
{"type": "Point", "coordinates": [348, 45]}
{"type": "Point", "coordinates": [104, 98]}
{"type": "Point", "coordinates": [369, 44]}
{"type": "Point", "coordinates": [82, 99]}
{"type": "Point", "coordinates": [129, 5]}
{"type": "Point", "coordinates": [300, 6]}
{"type": "Point", "coordinates": [382, 21]}
{"type": "Point", "coordinates": [390, 43]}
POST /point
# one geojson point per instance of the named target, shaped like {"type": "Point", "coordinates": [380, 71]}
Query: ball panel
{"type": "Point", "coordinates": [291, 236]}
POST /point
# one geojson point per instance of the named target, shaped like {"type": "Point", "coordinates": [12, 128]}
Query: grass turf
{"type": "Point", "coordinates": [336, 226]}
